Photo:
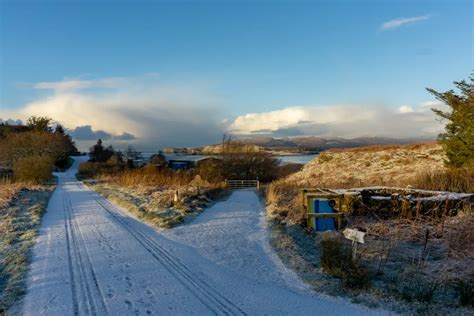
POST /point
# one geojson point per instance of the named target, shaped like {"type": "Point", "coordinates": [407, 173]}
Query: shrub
{"type": "Point", "coordinates": [17, 146]}
{"type": "Point", "coordinates": [211, 170]}
{"type": "Point", "coordinates": [92, 169]}
{"type": "Point", "coordinates": [36, 169]}
{"type": "Point", "coordinates": [337, 260]}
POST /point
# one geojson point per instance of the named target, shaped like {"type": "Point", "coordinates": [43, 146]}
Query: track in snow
{"type": "Point", "coordinates": [216, 303]}
{"type": "Point", "coordinates": [91, 258]}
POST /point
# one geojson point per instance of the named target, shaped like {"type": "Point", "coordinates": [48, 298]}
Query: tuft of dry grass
{"type": "Point", "coordinates": [451, 179]}
{"type": "Point", "coordinates": [150, 176]}
{"type": "Point", "coordinates": [7, 192]}
{"type": "Point", "coordinates": [283, 200]}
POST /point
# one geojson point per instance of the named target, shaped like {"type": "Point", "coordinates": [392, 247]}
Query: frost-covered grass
{"type": "Point", "coordinates": [392, 165]}
{"type": "Point", "coordinates": [157, 205]}
{"type": "Point", "coordinates": [21, 210]}
{"type": "Point", "coordinates": [403, 270]}
{"type": "Point", "coordinates": [161, 197]}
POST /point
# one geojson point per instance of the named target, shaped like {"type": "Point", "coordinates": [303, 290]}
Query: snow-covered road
{"type": "Point", "coordinates": [91, 258]}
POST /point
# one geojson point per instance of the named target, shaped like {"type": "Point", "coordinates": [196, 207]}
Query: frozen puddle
{"type": "Point", "coordinates": [91, 258]}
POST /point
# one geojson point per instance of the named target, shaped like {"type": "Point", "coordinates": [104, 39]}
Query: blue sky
{"type": "Point", "coordinates": [236, 60]}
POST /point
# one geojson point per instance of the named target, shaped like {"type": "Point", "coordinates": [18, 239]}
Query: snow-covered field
{"type": "Point", "coordinates": [93, 258]}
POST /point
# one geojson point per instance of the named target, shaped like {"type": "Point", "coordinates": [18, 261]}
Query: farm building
{"type": "Point", "coordinates": [188, 162]}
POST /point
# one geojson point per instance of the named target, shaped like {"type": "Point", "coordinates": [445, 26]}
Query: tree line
{"type": "Point", "coordinates": [30, 152]}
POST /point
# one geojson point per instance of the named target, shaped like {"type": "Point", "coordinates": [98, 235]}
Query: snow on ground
{"type": "Point", "coordinates": [91, 258]}
{"type": "Point", "coordinates": [234, 235]}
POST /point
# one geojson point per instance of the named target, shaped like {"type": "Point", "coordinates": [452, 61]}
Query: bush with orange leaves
{"type": "Point", "coordinates": [31, 155]}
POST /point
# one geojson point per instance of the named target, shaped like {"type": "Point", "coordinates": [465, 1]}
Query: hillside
{"type": "Point", "coordinates": [392, 165]}
{"type": "Point", "coordinates": [389, 165]}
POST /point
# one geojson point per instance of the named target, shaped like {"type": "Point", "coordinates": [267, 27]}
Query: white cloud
{"type": "Point", "coordinates": [156, 113]}
{"type": "Point", "coordinates": [151, 113]}
{"type": "Point", "coordinates": [69, 84]}
{"type": "Point", "coordinates": [396, 23]}
{"type": "Point", "coordinates": [341, 121]}
{"type": "Point", "coordinates": [406, 109]}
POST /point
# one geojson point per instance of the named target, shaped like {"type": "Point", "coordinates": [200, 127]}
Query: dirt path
{"type": "Point", "coordinates": [91, 258]}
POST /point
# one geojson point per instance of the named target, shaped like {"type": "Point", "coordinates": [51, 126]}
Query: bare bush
{"type": "Point", "coordinates": [240, 161]}
{"type": "Point", "coordinates": [211, 170]}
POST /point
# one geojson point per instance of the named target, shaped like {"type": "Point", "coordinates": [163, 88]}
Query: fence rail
{"type": "Point", "coordinates": [242, 184]}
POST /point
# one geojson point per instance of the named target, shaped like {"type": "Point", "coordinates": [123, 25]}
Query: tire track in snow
{"type": "Point", "coordinates": [211, 298]}
{"type": "Point", "coordinates": [88, 280]}
{"type": "Point", "coordinates": [75, 303]}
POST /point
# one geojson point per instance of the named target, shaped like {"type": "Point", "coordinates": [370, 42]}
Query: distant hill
{"type": "Point", "coordinates": [299, 145]}
{"type": "Point", "coordinates": [320, 143]}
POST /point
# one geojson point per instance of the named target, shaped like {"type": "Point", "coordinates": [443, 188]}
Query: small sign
{"type": "Point", "coordinates": [354, 235]}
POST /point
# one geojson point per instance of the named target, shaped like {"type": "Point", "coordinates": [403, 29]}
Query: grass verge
{"type": "Point", "coordinates": [21, 212]}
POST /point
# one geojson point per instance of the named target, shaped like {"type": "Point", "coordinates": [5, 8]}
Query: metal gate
{"type": "Point", "coordinates": [242, 184]}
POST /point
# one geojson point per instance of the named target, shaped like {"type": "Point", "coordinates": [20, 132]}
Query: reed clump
{"type": "Point", "coordinates": [150, 176]}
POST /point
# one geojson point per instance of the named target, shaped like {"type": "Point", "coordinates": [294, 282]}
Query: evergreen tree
{"type": "Point", "coordinates": [99, 153]}
{"type": "Point", "coordinates": [71, 145]}
{"type": "Point", "coordinates": [458, 137]}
